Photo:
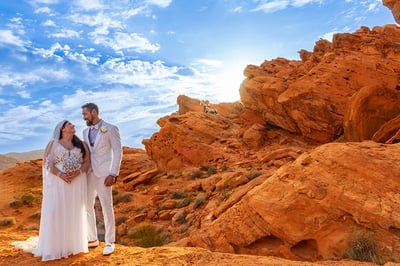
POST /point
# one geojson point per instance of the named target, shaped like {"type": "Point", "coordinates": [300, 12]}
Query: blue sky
{"type": "Point", "coordinates": [133, 58]}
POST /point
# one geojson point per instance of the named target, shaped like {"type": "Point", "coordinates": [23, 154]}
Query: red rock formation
{"type": "Point", "coordinates": [309, 209]}
{"type": "Point", "coordinates": [347, 88]}
{"type": "Point", "coordinates": [312, 97]}
{"type": "Point", "coordinates": [394, 6]}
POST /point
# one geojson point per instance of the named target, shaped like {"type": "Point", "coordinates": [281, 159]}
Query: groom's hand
{"type": "Point", "coordinates": [110, 180]}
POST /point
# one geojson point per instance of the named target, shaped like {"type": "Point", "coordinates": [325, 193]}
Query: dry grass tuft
{"type": "Point", "coordinates": [7, 221]}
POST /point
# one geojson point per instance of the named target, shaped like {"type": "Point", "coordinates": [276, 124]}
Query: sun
{"type": "Point", "coordinates": [230, 78]}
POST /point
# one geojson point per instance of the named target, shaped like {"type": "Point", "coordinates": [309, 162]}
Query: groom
{"type": "Point", "coordinates": [104, 143]}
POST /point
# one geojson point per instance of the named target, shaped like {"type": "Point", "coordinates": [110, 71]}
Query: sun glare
{"type": "Point", "coordinates": [229, 80]}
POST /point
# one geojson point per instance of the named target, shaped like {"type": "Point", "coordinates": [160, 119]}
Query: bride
{"type": "Point", "coordinates": [63, 224]}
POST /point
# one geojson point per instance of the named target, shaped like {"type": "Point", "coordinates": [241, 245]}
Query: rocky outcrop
{"type": "Point", "coordinates": [190, 139]}
{"type": "Point", "coordinates": [317, 96]}
{"type": "Point", "coordinates": [394, 6]}
{"type": "Point", "coordinates": [346, 89]}
{"type": "Point", "coordinates": [368, 112]}
{"type": "Point", "coordinates": [309, 209]}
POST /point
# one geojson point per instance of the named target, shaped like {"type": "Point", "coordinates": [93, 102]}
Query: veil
{"type": "Point", "coordinates": [55, 138]}
{"type": "Point", "coordinates": [48, 156]}
{"type": "Point", "coordinates": [31, 243]}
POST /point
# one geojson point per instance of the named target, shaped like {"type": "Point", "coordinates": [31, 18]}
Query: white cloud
{"type": "Point", "coordinates": [29, 119]}
{"type": "Point", "coordinates": [52, 74]}
{"type": "Point", "coordinates": [160, 3]}
{"type": "Point", "coordinates": [373, 6]}
{"type": "Point", "coordinates": [46, 53]}
{"type": "Point", "coordinates": [49, 23]}
{"type": "Point", "coordinates": [89, 4]}
{"type": "Point", "coordinates": [65, 33]}
{"type": "Point", "coordinates": [99, 19]}
{"type": "Point", "coordinates": [45, 10]}
{"type": "Point", "coordinates": [136, 72]}
{"type": "Point", "coordinates": [7, 37]}
{"type": "Point", "coordinates": [17, 80]}
{"type": "Point", "coordinates": [101, 22]}
{"type": "Point", "coordinates": [16, 25]}
{"type": "Point", "coordinates": [270, 7]}
{"type": "Point", "coordinates": [238, 9]}
{"type": "Point", "coordinates": [329, 35]}
{"type": "Point", "coordinates": [133, 41]}
{"type": "Point", "coordinates": [300, 3]}
{"type": "Point", "coordinates": [24, 94]}
{"type": "Point", "coordinates": [44, 1]}
{"type": "Point", "coordinates": [275, 5]}
{"type": "Point", "coordinates": [79, 57]}
{"type": "Point", "coordinates": [22, 80]}
{"type": "Point", "coordinates": [131, 12]}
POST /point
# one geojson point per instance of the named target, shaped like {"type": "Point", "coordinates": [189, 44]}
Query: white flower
{"type": "Point", "coordinates": [103, 129]}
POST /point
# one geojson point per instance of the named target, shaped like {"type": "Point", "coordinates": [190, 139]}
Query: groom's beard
{"type": "Point", "coordinates": [89, 123]}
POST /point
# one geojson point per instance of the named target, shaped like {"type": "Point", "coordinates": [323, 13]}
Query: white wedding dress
{"type": "Point", "coordinates": [63, 222]}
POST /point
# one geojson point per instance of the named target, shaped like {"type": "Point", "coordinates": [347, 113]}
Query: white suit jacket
{"type": "Point", "coordinates": [106, 153]}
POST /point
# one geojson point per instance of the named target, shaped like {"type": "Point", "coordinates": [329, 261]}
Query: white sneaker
{"type": "Point", "coordinates": [93, 244]}
{"type": "Point", "coordinates": [108, 249]}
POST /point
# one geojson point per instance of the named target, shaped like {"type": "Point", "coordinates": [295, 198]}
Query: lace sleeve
{"type": "Point", "coordinates": [48, 159]}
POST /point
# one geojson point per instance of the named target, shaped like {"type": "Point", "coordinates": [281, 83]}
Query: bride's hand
{"type": "Point", "coordinates": [74, 174]}
{"type": "Point", "coordinates": [65, 177]}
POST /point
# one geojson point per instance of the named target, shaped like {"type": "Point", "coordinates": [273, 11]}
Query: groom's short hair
{"type": "Point", "coordinates": [91, 106]}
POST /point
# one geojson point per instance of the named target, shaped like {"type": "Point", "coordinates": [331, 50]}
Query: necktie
{"type": "Point", "coordinates": [92, 135]}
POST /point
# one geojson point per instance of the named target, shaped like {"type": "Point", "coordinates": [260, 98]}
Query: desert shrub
{"type": "Point", "coordinates": [159, 208]}
{"type": "Point", "coordinates": [362, 247]}
{"type": "Point", "coordinates": [147, 235]}
{"type": "Point", "coordinates": [127, 197]}
{"type": "Point", "coordinates": [209, 169]}
{"type": "Point", "coordinates": [253, 175]}
{"type": "Point", "coordinates": [183, 228]}
{"type": "Point", "coordinates": [33, 227]}
{"type": "Point", "coordinates": [184, 202]}
{"type": "Point", "coordinates": [7, 221]}
{"type": "Point", "coordinates": [177, 194]}
{"type": "Point", "coordinates": [200, 200]}
{"type": "Point", "coordinates": [120, 220]}
{"type": "Point", "coordinates": [224, 168]}
{"type": "Point", "coordinates": [226, 193]}
{"type": "Point", "coordinates": [114, 192]}
{"type": "Point", "coordinates": [181, 217]}
{"type": "Point", "coordinates": [35, 216]}
{"type": "Point", "coordinates": [195, 174]}
{"type": "Point", "coordinates": [204, 167]}
{"type": "Point", "coordinates": [16, 204]}
{"type": "Point", "coordinates": [139, 209]}
{"type": "Point", "coordinates": [27, 199]}
{"type": "Point", "coordinates": [169, 176]}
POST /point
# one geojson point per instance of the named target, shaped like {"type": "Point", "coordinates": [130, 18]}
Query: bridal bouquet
{"type": "Point", "coordinates": [71, 164]}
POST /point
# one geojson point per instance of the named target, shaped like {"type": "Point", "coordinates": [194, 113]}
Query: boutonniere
{"type": "Point", "coordinates": [103, 129]}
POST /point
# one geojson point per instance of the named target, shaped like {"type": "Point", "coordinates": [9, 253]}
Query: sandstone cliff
{"type": "Point", "coordinates": [310, 198]}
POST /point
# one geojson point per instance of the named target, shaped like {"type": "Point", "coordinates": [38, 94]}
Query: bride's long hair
{"type": "Point", "coordinates": [76, 141]}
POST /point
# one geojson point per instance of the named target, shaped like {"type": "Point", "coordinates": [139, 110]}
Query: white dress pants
{"type": "Point", "coordinates": [95, 186]}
